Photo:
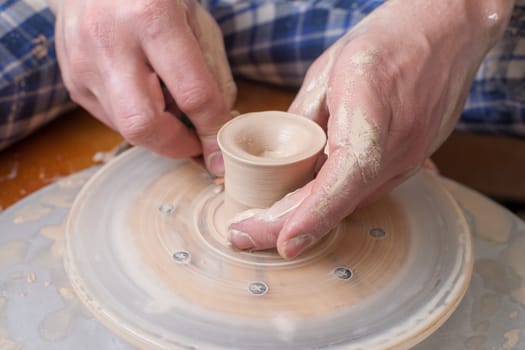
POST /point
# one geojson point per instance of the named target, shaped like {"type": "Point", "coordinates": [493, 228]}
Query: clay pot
{"type": "Point", "coordinates": [267, 155]}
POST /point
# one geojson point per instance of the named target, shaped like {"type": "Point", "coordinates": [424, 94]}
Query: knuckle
{"type": "Point", "coordinates": [153, 15]}
{"type": "Point", "coordinates": [77, 62]}
{"type": "Point", "coordinates": [137, 128]}
{"type": "Point", "coordinates": [76, 96]}
{"type": "Point", "coordinates": [230, 92]}
{"type": "Point", "coordinates": [76, 93]}
{"type": "Point", "coordinates": [194, 98]}
{"type": "Point", "coordinates": [68, 83]}
{"type": "Point", "coordinates": [80, 73]}
{"type": "Point", "coordinates": [98, 30]}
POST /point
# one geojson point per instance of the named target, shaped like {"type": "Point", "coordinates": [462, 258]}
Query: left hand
{"type": "Point", "coordinates": [388, 93]}
{"type": "Point", "coordinates": [115, 57]}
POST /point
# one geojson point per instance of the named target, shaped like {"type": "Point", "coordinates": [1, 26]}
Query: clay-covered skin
{"type": "Point", "coordinates": [114, 54]}
{"type": "Point", "coordinates": [388, 93]}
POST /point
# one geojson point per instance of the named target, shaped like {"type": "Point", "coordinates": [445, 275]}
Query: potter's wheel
{"type": "Point", "coordinates": [143, 254]}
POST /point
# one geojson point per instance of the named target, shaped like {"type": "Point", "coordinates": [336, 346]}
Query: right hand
{"type": "Point", "coordinates": [114, 54]}
{"type": "Point", "coordinates": [388, 93]}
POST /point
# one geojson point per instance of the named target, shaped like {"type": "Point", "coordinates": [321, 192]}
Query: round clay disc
{"type": "Point", "coordinates": [144, 254]}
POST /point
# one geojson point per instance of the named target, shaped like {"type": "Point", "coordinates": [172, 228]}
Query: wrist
{"type": "Point", "coordinates": [475, 23]}
{"type": "Point", "coordinates": [460, 33]}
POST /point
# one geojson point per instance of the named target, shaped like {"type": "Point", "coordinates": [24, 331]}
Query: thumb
{"type": "Point", "coordinates": [259, 229]}
{"type": "Point", "coordinates": [302, 218]}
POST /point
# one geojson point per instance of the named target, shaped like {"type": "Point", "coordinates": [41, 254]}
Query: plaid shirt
{"type": "Point", "coordinates": [273, 41]}
{"type": "Point", "coordinates": [31, 91]}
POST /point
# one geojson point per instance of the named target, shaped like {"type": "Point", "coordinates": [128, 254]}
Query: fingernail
{"type": "Point", "coordinates": [215, 163]}
{"type": "Point", "coordinates": [240, 239]}
{"type": "Point", "coordinates": [297, 245]}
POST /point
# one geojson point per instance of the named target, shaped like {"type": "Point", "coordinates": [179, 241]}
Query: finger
{"type": "Point", "coordinates": [133, 95]}
{"type": "Point", "coordinates": [350, 174]}
{"type": "Point", "coordinates": [335, 193]}
{"type": "Point", "coordinates": [177, 58]}
{"type": "Point", "coordinates": [209, 38]}
{"type": "Point", "coordinates": [80, 94]}
{"type": "Point", "coordinates": [91, 104]}
{"type": "Point", "coordinates": [310, 101]}
{"type": "Point", "coordinates": [302, 218]}
{"type": "Point", "coordinates": [264, 225]}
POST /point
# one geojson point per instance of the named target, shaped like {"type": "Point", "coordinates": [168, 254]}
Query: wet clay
{"type": "Point", "coordinates": [513, 256]}
{"type": "Point", "coordinates": [491, 224]}
{"type": "Point", "coordinates": [55, 233]}
{"type": "Point", "coordinates": [31, 213]}
{"type": "Point", "coordinates": [12, 253]}
{"type": "Point", "coordinates": [512, 338]}
{"type": "Point", "coordinates": [6, 343]}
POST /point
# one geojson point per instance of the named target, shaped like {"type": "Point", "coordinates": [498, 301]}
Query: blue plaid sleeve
{"type": "Point", "coordinates": [31, 91]}
{"type": "Point", "coordinates": [275, 41]}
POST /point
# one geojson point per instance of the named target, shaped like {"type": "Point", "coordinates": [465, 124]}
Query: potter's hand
{"type": "Point", "coordinates": [388, 93]}
{"type": "Point", "coordinates": [114, 55]}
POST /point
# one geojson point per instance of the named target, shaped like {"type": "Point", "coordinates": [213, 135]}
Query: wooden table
{"type": "Point", "coordinates": [493, 165]}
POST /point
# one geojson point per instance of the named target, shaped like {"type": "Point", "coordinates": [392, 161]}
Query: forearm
{"type": "Point", "coordinates": [485, 20]}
